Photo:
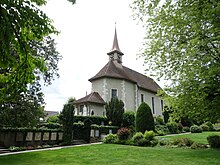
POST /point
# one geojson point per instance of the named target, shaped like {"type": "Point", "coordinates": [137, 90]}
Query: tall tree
{"type": "Point", "coordinates": [183, 45]}
{"type": "Point", "coordinates": [114, 111]}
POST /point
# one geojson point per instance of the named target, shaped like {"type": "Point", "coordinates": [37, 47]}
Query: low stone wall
{"type": "Point", "coordinates": [30, 138]}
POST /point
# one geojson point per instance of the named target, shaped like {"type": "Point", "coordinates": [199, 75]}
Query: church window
{"type": "Point", "coordinates": [142, 98]}
{"type": "Point", "coordinates": [153, 105]}
{"type": "Point", "coordinates": [114, 93]}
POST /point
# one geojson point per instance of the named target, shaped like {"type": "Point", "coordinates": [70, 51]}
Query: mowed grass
{"type": "Point", "coordinates": [197, 137]}
{"type": "Point", "coordinates": [113, 154]}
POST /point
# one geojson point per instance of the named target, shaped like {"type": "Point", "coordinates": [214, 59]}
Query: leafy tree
{"type": "Point", "coordinates": [24, 111]}
{"type": "Point", "coordinates": [53, 119]}
{"type": "Point", "coordinates": [128, 119]}
{"type": "Point", "coordinates": [183, 46]}
{"type": "Point", "coordinates": [114, 111]}
{"type": "Point", "coordinates": [66, 117]}
{"type": "Point", "coordinates": [144, 118]}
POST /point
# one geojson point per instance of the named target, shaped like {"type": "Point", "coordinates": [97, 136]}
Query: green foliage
{"type": "Point", "coordinates": [161, 130]}
{"type": "Point", "coordinates": [214, 141]}
{"type": "Point", "coordinates": [195, 129]}
{"type": "Point", "coordinates": [114, 111]}
{"type": "Point", "coordinates": [81, 132]}
{"type": "Point", "coordinates": [94, 119]}
{"type": "Point", "coordinates": [182, 46]}
{"type": "Point", "coordinates": [149, 135]}
{"type": "Point", "coordinates": [186, 129]}
{"type": "Point", "coordinates": [50, 125]}
{"type": "Point", "coordinates": [53, 119]}
{"type": "Point", "coordinates": [137, 136]}
{"type": "Point", "coordinates": [172, 127]}
{"type": "Point", "coordinates": [210, 125]}
{"type": "Point", "coordinates": [159, 120]}
{"type": "Point", "coordinates": [24, 111]}
{"type": "Point", "coordinates": [105, 129]}
{"type": "Point", "coordinates": [144, 118]}
{"type": "Point", "coordinates": [204, 127]}
{"type": "Point", "coordinates": [123, 133]}
{"type": "Point", "coordinates": [66, 117]}
{"type": "Point", "coordinates": [110, 139]}
{"type": "Point", "coordinates": [164, 142]}
{"type": "Point", "coordinates": [128, 119]}
{"type": "Point", "coordinates": [182, 142]}
{"type": "Point", "coordinates": [196, 145]}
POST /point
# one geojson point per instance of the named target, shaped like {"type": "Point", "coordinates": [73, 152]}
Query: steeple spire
{"type": "Point", "coordinates": [115, 53]}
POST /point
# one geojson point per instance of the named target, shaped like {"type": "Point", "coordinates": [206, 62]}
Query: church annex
{"type": "Point", "coordinates": [116, 80]}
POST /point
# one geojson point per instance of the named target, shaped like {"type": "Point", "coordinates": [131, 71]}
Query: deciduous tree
{"type": "Point", "coordinates": [183, 45]}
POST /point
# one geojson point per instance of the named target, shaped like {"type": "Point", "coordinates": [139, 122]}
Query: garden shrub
{"type": "Point", "coordinates": [161, 130]}
{"type": "Point", "coordinates": [128, 119]}
{"type": "Point", "coordinates": [204, 127]}
{"type": "Point", "coordinates": [180, 127]}
{"type": "Point", "coordinates": [143, 142]}
{"type": "Point", "coordinates": [154, 142]}
{"type": "Point", "coordinates": [210, 125]}
{"type": "Point", "coordinates": [195, 129]}
{"type": "Point", "coordinates": [214, 141]}
{"type": "Point", "coordinates": [53, 119]}
{"type": "Point", "coordinates": [159, 120]}
{"type": "Point", "coordinates": [94, 119]}
{"type": "Point", "coordinates": [50, 125]}
{"type": "Point", "coordinates": [164, 142]}
{"type": "Point", "coordinates": [196, 145]}
{"type": "Point", "coordinates": [186, 129]}
{"type": "Point", "coordinates": [110, 139]}
{"type": "Point", "coordinates": [137, 137]}
{"type": "Point", "coordinates": [172, 127]}
{"type": "Point", "coordinates": [144, 118]}
{"type": "Point", "coordinates": [182, 142]}
{"type": "Point", "coordinates": [149, 135]}
{"type": "Point", "coordinates": [123, 133]}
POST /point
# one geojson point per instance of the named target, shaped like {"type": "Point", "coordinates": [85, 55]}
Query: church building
{"type": "Point", "coordinates": [116, 80]}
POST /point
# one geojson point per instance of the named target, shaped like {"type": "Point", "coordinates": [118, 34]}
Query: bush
{"type": "Point", "coordinates": [196, 145]}
{"type": "Point", "coordinates": [128, 119]}
{"type": "Point", "coordinates": [53, 119]}
{"type": "Point", "coordinates": [137, 137]}
{"type": "Point", "coordinates": [161, 130]}
{"type": "Point", "coordinates": [149, 135]}
{"type": "Point", "coordinates": [94, 119]}
{"type": "Point", "coordinates": [186, 129]}
{"type": "Point", "coordinates": [110, 139]}
{"type": "Point", "coordinates": [81, 132]}
{"type": "Point", "coordinates": [50, 125]}
{"type": "Point", "coordinates": [144, 118]}
{"type": "Point", "coordinates": [210, 125]}
{"type": "Point", "coordinates": [164, 142]}
{"type": "Point", "coordinates": [123, 133]}
{"type": "Point", "coordinates": [159, 120]}
{"type": "Point", "coordinates": [214, 141]}
{"type": "Point", "coordinates": [143, 142]}
{"type": "Point", "coordinates": [195, 129]}
{"type": "Point", "coordinates": [182, 142]}
{"type": "Point", "coordinates": [204, 127]}
{"type": "Point", "coordinates": [172, 127]}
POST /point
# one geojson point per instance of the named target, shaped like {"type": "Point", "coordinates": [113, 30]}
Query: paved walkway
{"type": "Point", "coordinates": [45, 149]}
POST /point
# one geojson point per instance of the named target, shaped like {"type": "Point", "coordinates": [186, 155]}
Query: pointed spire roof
{"type": "Point", "coordinates": [115, 47]}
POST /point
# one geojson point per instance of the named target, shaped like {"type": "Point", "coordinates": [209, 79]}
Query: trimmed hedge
{"type": "Point", "coordinates": [94, 119]}
{"type": "Point", "coordinates": [81, 132]}
{"type": "Point", "coordinates": [24, 129]}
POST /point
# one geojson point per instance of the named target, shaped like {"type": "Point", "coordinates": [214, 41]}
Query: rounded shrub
{"type": "Point", "coordinates": [183, 142]}
{"type": "Point", "coordinates": [137, 137]}
{"type": "Point", "coordinates": [210, 125]}
{"type": "Point", "coordinates": [214, 141]}
{"type": "Point", "coordinates": [159, 120]}
{"type": "Point", "coordinates": [149, 135]}
{"type": "Point", "coordinates": [128, 119]}
{"type": "Point", "coordinates": [195, 129]}
{"type": "Point", "coordinates": [144, 118]}
{"type": "Point", "coordinates": [172, 127]}
{"type": "Point", "coordinates": [204, 127]}
{"type": "Point", "coordinates": [186, 129]}
{"type": "Point", "coordinates": [110, 139]}
{"type": "Point", "coordinates": [123, 133]}
{"type": "Point", "coordinates": [143, 142]}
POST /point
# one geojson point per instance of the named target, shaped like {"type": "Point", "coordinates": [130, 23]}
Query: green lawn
{"type": "Point", "coordinates": [198, 137]}
{"type": "Point", "coordinates": [110, 154]}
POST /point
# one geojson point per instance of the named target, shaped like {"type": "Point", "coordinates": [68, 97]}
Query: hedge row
{"type": "Point", "coordinates": [23, 129]}
{"type": "Point", "coordinates": [94, 119]}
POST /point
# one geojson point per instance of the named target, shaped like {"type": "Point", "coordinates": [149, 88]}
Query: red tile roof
{"type": "Point", "coordinates": [112, 71]}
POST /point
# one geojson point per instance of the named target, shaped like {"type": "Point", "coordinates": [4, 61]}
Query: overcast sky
{"type": "Point", "coordinates": [86, 36]}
